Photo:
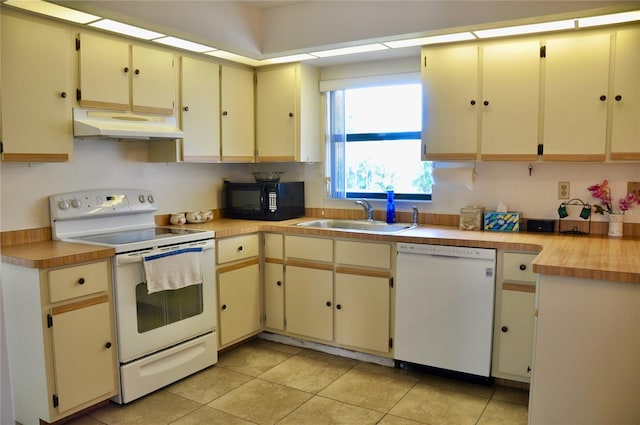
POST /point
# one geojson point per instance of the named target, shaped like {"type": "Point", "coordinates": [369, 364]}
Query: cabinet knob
{"type": "Point", "coordinates": [137, 72]}
{"type": "Point", "coordinates": [603, 98]}
{"type": "Point", "coordinates": [523, 267]}
{"type": "Point", "coordinates": [485, 103]}
{"type": "Point", "coordinates": [81, 281]}
{"type": "Point", "coordinates": [63, 94]}
{"type": "Point", "coordinates": [618, 98]}
{"type": "Point", "coordinates": [186, 109]}
{"type": "Point", "coordinates": [224, 306]}
{"type": "Point", "coordinates": [504, 329]}
{"type": "Point", "coordinates": [291, 114]}
{"type": "Point", "coordinates": [107, 345]}
{"type": "Point", "coordinates": [125, 69]}
{"type": "Point", "coordinates": [338, 306]}
{"type": "Point", "coordinates": [528, 368]}
{"type": "Point", "coordinates": [473, 102]}
{"type": "Point", "coordinates": [225, 113]}
{"type": "Point", "coordinates": [240, 248]}
{"type": "Point", "coordinates": [279, 283]}
{"type": "Point", "coordinates": [328, 303]}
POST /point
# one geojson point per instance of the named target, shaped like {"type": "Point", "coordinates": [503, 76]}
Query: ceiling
{"type": "Point", "coordinates": [262, 29]}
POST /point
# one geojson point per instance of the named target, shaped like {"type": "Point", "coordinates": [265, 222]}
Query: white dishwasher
{"type": "Point", "coordinates": [444, 307]}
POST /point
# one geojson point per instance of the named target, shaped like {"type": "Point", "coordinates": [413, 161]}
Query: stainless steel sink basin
{"type": "Point", "coordinates": [363, 226]}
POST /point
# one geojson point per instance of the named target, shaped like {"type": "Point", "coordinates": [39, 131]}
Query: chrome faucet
{"type": "Point", "coordinates": [367, 207]}
{"type": "Point", "coordinates": [415, 214]}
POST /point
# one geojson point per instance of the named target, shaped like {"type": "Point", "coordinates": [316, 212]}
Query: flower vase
{"type": "Point", "coordinates": [616, 222]}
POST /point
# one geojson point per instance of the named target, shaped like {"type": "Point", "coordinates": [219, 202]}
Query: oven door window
{"type": "Point", "coordinates": [163, 308]}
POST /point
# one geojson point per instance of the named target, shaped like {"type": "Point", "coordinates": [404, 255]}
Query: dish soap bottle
{"type": "Point", "coordinates": [391, 208]}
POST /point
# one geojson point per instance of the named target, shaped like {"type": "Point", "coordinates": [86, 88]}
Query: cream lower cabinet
{"type": "Point", "coordinates": [309, 300]}
{"type": "Point", "coordinates": [514, 321]}
{"type": "Point", "coordinates": [60, 339]}
{"type": "Point", "coordinates": [273, 281]}
{"type": "Point", "coordinates": [239, 293]}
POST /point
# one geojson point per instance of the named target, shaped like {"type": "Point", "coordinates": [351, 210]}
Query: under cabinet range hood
{"type": "Point", "coordinates": [124, 125]}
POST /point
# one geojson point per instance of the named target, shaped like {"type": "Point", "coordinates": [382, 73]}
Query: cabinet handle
{"type": "Point", "coordinates": [186, 109]}
{"type": "Point", "coordinates": [291, 114]}
{"type": "Point", "coordinates": [125, 69]}
{"type": "Point", "coordinates": [225, 113]}
{"type": "Point", "coordinates": [504, 329]}
{"type": "Point", "coordinates": [240, 248]}
{"type": "Point", "coordinates": [485, 103]}
{"type": "Point", "coordinates": [328, 303]}
{"type": "Point", "coordinates": [279, 283]}
{"type": "Point", "coordinates": [523, 267]}
{"type": "Point", "coordinates": [603, 98]}
{"type": "Point", "coordinates": [63, 94]}
{"type": "Point", "coordinates": [528, 368]}
{"type": "Point", "coordinates": [473, 102]}
{"type": "Point", "coordinates": [338, 306]}
{"type": "Point", "coordinates": [137, 72]}
{"type": "Point", "coordinates": [107, 345]}
{"type": "Point", "coordinates": [618, 98]}
{"type": "Point", "coordinates": [224, 306]}
{"type": "Point", "coordinates": [81, 281]}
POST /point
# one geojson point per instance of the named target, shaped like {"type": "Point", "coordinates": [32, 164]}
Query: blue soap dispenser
{"type": "Point", "coordinates": [391, 208]}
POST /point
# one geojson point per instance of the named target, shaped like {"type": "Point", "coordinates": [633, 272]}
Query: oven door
{"type": "Point", "coordinates": [147, 323]}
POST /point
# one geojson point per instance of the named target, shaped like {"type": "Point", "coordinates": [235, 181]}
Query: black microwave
{"type": "Point", "coordinates": [264, 200]}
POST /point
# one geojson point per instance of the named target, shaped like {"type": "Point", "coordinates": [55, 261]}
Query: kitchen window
{"type": "Point", "coordinates": [374, 143]}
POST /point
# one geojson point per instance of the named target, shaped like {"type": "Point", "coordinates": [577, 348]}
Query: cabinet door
{"type": "Point", "coordinates": [510, 101]}
{"type": "Point", "coordinates": [237, 119]}
{"type": "Point", "coordinates": [450, 103]}
{"type": "Point", "coordinates": [362, 311]}
{"type": "Point", "coordinates": [153, 81]}
{"type": "Point", "coordinates": [104, 73]}
{"type": "Point", "coordinates": [276, 113]}
{"type": "Point", "coordinates": [36, 104]}
{"type": "Point", "coordinates": [625, 131]}
{"type": "Point", "coordinates": [239, 301]}
{"type": "Point", "coordinates": [516, 337]}
{"type": "Point", "coordinates": [200, 110]}
{"type": "Point", "coordinates": [83, 352]}
{"type": "Point", "coordinates": [274, 295]}
{"type": "Point", "coordinates": [309, 302]}
{"type": "Point", "coordinates": [575, 97]}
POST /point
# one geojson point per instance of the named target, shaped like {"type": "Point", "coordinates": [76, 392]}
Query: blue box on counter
{"type": "Point", "coordinates": [502, 221]}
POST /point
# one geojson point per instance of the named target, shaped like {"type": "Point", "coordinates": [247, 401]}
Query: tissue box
{"type": "Point", "coordinates": [502, 221]}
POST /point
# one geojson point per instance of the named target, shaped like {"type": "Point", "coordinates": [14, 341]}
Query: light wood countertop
{"type": "Point", "coordinates": [589, 257]}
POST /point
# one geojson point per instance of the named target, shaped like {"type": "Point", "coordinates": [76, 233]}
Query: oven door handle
{"type": "Point", "coordinates": [136, 257]}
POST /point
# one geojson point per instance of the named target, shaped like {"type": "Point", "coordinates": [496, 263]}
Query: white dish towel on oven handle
{"type": "Point", "coordinates": [173, 269]}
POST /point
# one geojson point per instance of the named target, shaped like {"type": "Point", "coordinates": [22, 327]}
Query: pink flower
{"type": "Point", "coordinates": [603, 193]}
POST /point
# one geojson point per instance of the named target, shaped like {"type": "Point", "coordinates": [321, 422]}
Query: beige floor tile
{"type": "Point", "coordinates": [387, 370]}
{"type": "Point", "coordinates": [502, 413]}
{"type": "Point", "coordinates": [511, 395]}
{"type": "Point", "coordinates": [464, 387]}
{"type": "Point", "coordinates": [304, 374]}
{"type": "Point", "coordinates": [397, 420]}
{"type": "Point", "coordinates": [208, 416]}
{"type": "Point", "coordinates": [323, 411]}
{"type": "Point", "coordinates": [251, 359]}
{"type": "Point", "coordinates": [439, 406]}
{"type": "Point", "coordinates": [276, 346]}
{"type": "Point", "coordinates": [208, 384]}
{"type": "Point", "coordinates": [85, 420]}
{"type": "Point", "coordinates": [158, 408]}
{"type": "Point", "coordinates": [373, 391]}
{"type": "Point", "coordinates": [329, 358]}
{"type": "Point", "coordinates": [260, 401]}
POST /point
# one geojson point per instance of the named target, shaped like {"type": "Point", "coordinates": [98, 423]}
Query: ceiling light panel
{"type": "Point", "coordinates": [233, 57]}
{"type": "Point", "coordinates": [349, 50]}
{"type": "Point", "coordinates": [53, 10]}
{"type": "Point", "coordinates": [126, 29]}
{"type": "Point", "coordinates": [436, 39]}
{"type": "Point", "coordinates": [614, 18]}
{"type": "Point", "coordinates": [184, 44]}
{"type": "Point", "coordinates": [286, 59]}
{"type": "Point", "coordinates": [527, 29]}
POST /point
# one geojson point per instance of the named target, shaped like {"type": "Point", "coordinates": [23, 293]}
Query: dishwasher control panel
{"type": "Point", "coordinates": [447, 251]}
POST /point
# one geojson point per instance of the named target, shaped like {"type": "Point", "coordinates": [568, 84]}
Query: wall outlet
{"type": "Point", "coordinates": [632, 186]}
{"type": "Point", "coordinates": [564, 190]}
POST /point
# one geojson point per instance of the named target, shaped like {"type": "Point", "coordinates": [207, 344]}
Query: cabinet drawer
{"type": "Point", "coordinates": [518, 267]}
{"type": "Point", "coordinates": [308, 248]}
{"type": "Point", "coordinates": [363, 254]}
{"type": "Point", "coordinates": [237, 248]}
{"type": "Point", "coordinates": [77, 281]}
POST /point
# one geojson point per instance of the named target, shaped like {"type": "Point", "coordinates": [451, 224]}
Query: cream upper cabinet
{"type": "Point", "coordinates": [575, 97]}
{"type": "Point", "coordinates": [237, 114]}
{"type": "Point", "coordinates": [288, 114]}
{"type": "Point", "coordinates": [37, 91]}
{"type": "Point", "coordinates": [450, 103]}
{"type": "Point", "coordinates": [200, 110]}
{"type": "Point", "coordinates": [116, 75]}
{"type": "Point", "coordinates": [625, 131]}
{"type": "Point", "coordinates": [510, 101]}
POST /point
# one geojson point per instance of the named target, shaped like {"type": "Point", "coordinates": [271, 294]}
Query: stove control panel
{"type": "Point", "coordinates": [102, 202]}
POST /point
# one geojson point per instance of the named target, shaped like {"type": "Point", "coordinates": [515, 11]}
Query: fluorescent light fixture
{"type": "Point", "coordinates": [614, 18]}
{"type": "Point", "coordinates": [527, 29]}
{"type": "Point", "coordinates": [126, 29]}
{"type": "Point", "coordinates": [184, 44]}
{"type": "Point", "coordinates": [349, 50]}
{"type": "Point", "coordinates": [53, 10]}
{"type": "Point", "coordinates": [285, 59]}
{"type": "Point", "coordinates": [233, 57]}
{"type": "Point", "coordinates": [445, 38]}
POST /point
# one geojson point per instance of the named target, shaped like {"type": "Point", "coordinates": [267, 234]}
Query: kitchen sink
{"type": "Point", "coordinates": [363, 226]}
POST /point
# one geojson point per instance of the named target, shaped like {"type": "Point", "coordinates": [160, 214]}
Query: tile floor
{"type": "Point", "coordinates": [264, 382]}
